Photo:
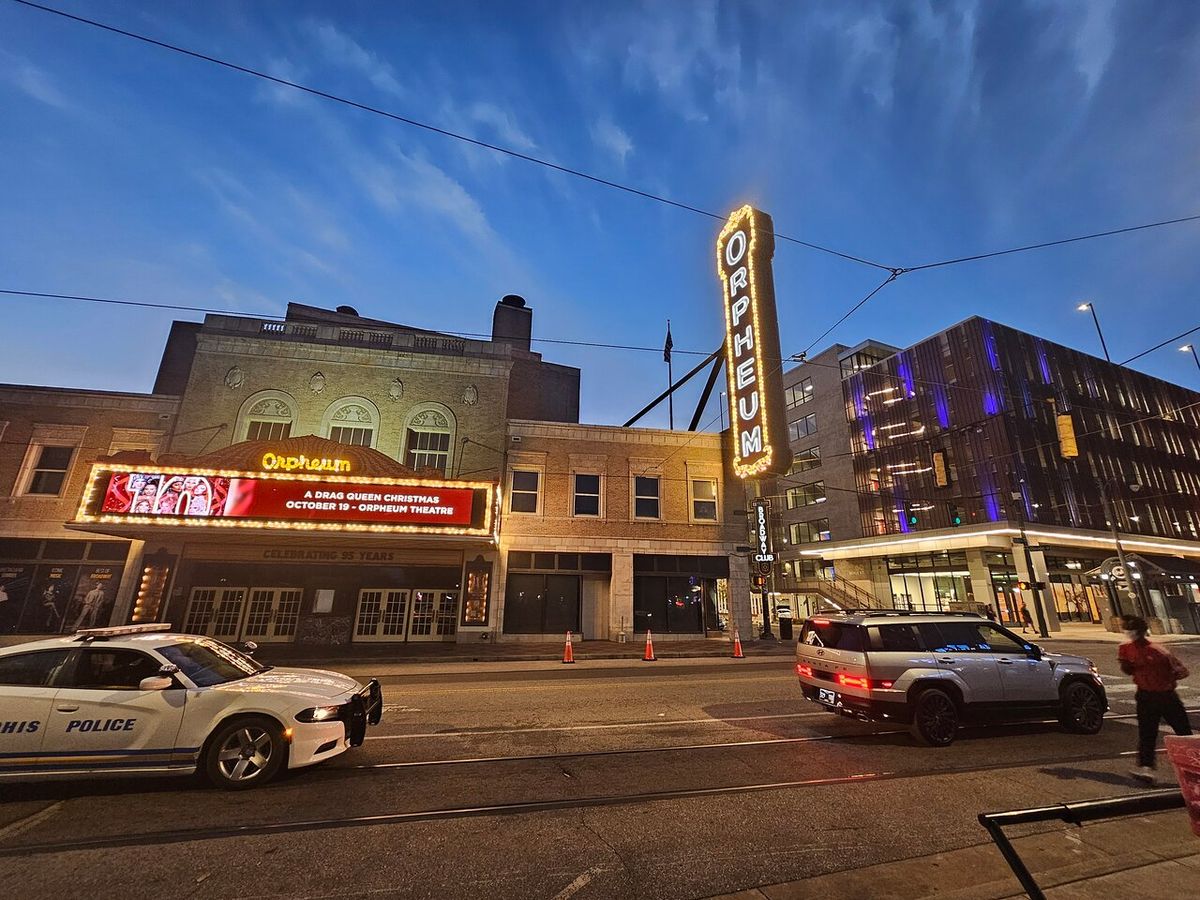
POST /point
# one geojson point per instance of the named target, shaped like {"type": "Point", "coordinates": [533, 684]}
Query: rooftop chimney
{"type": "Point", "coordinates": [512, 322]}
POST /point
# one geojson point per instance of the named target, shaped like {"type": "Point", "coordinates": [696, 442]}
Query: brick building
{"type": "Point", "coordinates": [49, 437]}
{"type": "Point", "coordinates": [610, 531]}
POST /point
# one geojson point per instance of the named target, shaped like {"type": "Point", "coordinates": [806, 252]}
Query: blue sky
{"type": "Point", "coordinates": [904, 132]}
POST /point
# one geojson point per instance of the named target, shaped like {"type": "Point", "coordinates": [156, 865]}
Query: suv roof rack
{"type": "Point", "coordinates": [91, 634]}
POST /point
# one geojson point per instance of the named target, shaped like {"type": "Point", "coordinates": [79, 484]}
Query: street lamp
{"type": "Point", "coordinates": [1091, 307]}
{"type": "Point", "coordinates": [1192, 348]}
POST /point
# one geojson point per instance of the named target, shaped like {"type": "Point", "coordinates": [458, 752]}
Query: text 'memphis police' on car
{"type": "Point", "coordinates": [140, 699]}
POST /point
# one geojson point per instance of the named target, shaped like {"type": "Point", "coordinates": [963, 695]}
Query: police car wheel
{"type": "Point", "coordinates": [244, 753]}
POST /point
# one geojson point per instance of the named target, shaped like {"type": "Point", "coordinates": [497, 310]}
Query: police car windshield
{"type": "Point", "coordinates": [209, 662]}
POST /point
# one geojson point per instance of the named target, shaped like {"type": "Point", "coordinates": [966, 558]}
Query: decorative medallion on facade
{"type": "Point", "coordinates": [471, 395]}
{"type": "Point", "coordinates": [395, 389]}
{"type": "Point", "coordinates": [316, 384]}
{"type": "Point", "coordinates": [235, 377]}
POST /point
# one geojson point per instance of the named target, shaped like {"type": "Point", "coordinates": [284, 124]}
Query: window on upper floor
{"type": "Point", "coordinates": [805, 460]}
{"type": "Point", "coordinates": [428, 438]}
{"type": "Point", "coordinates": [646, 497]}
{"type": "Point", "coordinates": [704, 499]}
{"type": "Point", "coordinates": [267, 416]}
{"type": "Point", "coordinates": [799, 394]}
{"type": "Point", "coordinates": [353, 421]}
{"type": "Point", "coordinates": [810, 532]}
{"type": "Point", "coordinates": [48, 473]}
{"type": "Point", "coordinates": [802, 427]}
{"type": "Point", "coordinates": [806, 494]}
{"type": "Point", "coordinates": [524, 491]}
{"type": "Point", "coordinates": [586, 501]}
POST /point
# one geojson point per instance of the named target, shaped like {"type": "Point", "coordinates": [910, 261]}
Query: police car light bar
{"type": "Point", "coordinates": [88, 634]}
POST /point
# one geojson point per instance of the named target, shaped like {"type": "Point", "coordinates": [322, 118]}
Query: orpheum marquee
{"type": "Point", "coordinates": [298, 539]}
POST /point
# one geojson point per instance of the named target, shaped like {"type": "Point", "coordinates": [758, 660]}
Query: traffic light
{"type": "Point", "coordinates": [910, 513]}
{"type": "Point", "coordinates": [760, 581]}
{"type": "Point", "coordinates": [955, 515]}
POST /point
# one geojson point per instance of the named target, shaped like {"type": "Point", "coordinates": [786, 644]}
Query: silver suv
{"type": "Point", "coordinates": [937, 671]}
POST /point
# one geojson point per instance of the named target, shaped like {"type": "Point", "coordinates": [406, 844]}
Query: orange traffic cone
{"type": "Point", "coordinates": [648, 656]}
{"type": "Point", "coordinates": [737, 646]}
{"type": "Point", "coordinates": [568, 651]}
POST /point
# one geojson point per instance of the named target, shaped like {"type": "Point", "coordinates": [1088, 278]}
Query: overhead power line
{"type": "Point", "coordinates": [425, 126]}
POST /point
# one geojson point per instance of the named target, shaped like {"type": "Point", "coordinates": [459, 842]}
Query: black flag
{"type": "Point", "coordinates": [668, 345]}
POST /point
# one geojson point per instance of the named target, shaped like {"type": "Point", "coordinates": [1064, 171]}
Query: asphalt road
{"type": "Point", "coordinates": [674, 779]}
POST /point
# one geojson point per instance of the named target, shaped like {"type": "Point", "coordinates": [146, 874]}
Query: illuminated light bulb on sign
{"type": "Point", "coordinates": [753, 362]}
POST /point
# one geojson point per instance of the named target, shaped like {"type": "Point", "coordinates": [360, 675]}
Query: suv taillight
{"type": "Point", "coordinates": [854, 681]}
{"type": "Point", "coordinates": [804, 671]}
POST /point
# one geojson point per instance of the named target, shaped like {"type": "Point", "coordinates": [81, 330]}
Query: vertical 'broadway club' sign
{"type": "Point", "coordinates": [753, 363]}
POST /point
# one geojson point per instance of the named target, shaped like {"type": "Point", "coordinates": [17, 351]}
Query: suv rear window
{"type": "Point", "coordinates": [835, 635]}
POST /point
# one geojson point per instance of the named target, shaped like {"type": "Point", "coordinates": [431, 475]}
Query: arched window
{"type": "Point", "coordinates": [352, 420]}
{"type": "Point", "coordinates": [429, 437]}
{"type": "Point", "coordinates": [266, 416]}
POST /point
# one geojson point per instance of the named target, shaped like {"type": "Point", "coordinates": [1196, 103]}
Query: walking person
{"type": "Point", "coordinates": [1155, 671]}
{"type": "Point", "coordinates": [1026, 618]}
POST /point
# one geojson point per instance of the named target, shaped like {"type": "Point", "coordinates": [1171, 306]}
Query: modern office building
{"type": "Point", "coordinates": [964, 488]}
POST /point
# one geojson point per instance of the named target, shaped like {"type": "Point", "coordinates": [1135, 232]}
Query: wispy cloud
{"type": "Point", "coordinates": [342, 50]}
{"type": "Point", "coordinates": [502, 123]}
{"type": "Point", "coordinates": [34, 82]}
{"type": "Point", "coordinates": [612, 138]}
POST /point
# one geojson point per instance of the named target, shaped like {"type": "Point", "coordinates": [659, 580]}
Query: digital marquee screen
{"type": "Point", "coordinates": [174, 496]}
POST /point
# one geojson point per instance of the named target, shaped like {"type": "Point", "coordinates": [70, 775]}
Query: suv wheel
{"type": "Point", "coordinates": [1082, 709]}
{"type": "Point", "coordinates": [245, 753]}
{"type": "Point", "coordinates": [935, 718]}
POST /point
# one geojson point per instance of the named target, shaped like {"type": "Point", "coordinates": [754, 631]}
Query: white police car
{"type": "Point", "coordinates": [140, 699]}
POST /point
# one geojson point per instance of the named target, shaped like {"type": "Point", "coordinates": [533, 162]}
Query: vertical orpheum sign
{"type": "Point", "coordinates": [753, 363]}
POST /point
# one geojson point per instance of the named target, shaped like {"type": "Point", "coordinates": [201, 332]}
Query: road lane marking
{"type": "Point", "coordinates": [572, 684]}
{"type": "Point", "coordinates": [22, 825]}
{"type": "Point", "coordinates": [579, 883]}
{"type": "Point", "coordinates": [656, 723]}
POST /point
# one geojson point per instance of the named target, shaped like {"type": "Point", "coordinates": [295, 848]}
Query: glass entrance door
{"type": "Point", "coordinates": [272, 614]}
{"type": "Point", "coordinates": [382, 615]}
{"type": "Point", "coordinates": [215, 612]}
{"type": "Point", "coordinates": [385, 614]}
{"type": "Point", "coordinates": [434, 616]}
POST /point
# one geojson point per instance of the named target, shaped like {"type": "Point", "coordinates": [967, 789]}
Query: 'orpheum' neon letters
{"type": "Point", "coordinates": [753, 364]}
{"type": "Point", "coordinates": [272, 462]}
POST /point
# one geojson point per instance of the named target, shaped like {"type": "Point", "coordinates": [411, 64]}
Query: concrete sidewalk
{"type": "Point", "coordinates": [1153, 856]}
{"type": "Point", "coordinates": [512, 651]}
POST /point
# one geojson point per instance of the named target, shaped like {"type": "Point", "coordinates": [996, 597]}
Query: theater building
{"type": "Point", "coordinates": [325, 478]}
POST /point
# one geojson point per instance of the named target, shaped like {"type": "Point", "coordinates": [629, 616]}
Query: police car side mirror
{"type": "Point", "coordinates": [1034, 651]}
{"type": "Point", "coordinates": [156, 683]}
{"type": "Point", "coordinates": [249, 647]}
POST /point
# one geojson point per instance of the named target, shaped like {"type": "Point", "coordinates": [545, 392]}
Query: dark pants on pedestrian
{"type": "Point", "coordinates": [1153, 707]}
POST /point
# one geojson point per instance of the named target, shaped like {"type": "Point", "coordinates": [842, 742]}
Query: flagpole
{"type": "Point", "coordinates": [670, 381]}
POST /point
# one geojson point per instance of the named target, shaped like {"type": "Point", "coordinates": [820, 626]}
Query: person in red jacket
{"type": "Point", "coordinates": [1155, 671]}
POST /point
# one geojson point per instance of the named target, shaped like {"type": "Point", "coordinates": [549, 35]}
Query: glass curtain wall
{"type": "Point", "coordinates": [931, 582]}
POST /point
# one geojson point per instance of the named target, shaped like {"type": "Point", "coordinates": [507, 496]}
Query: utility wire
{"type": "Point", "coordinates": [1028, 247]}
{"type": "Point", "coordinates": [1160, 346]}
{"type": "Point", "coordinates": [425, 126]}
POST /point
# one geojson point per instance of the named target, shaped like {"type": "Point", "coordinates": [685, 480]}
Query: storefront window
{"type": "Point", "coordinates": [541, 604]}
{"type": "Point", "coordinates": [931, 582]}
